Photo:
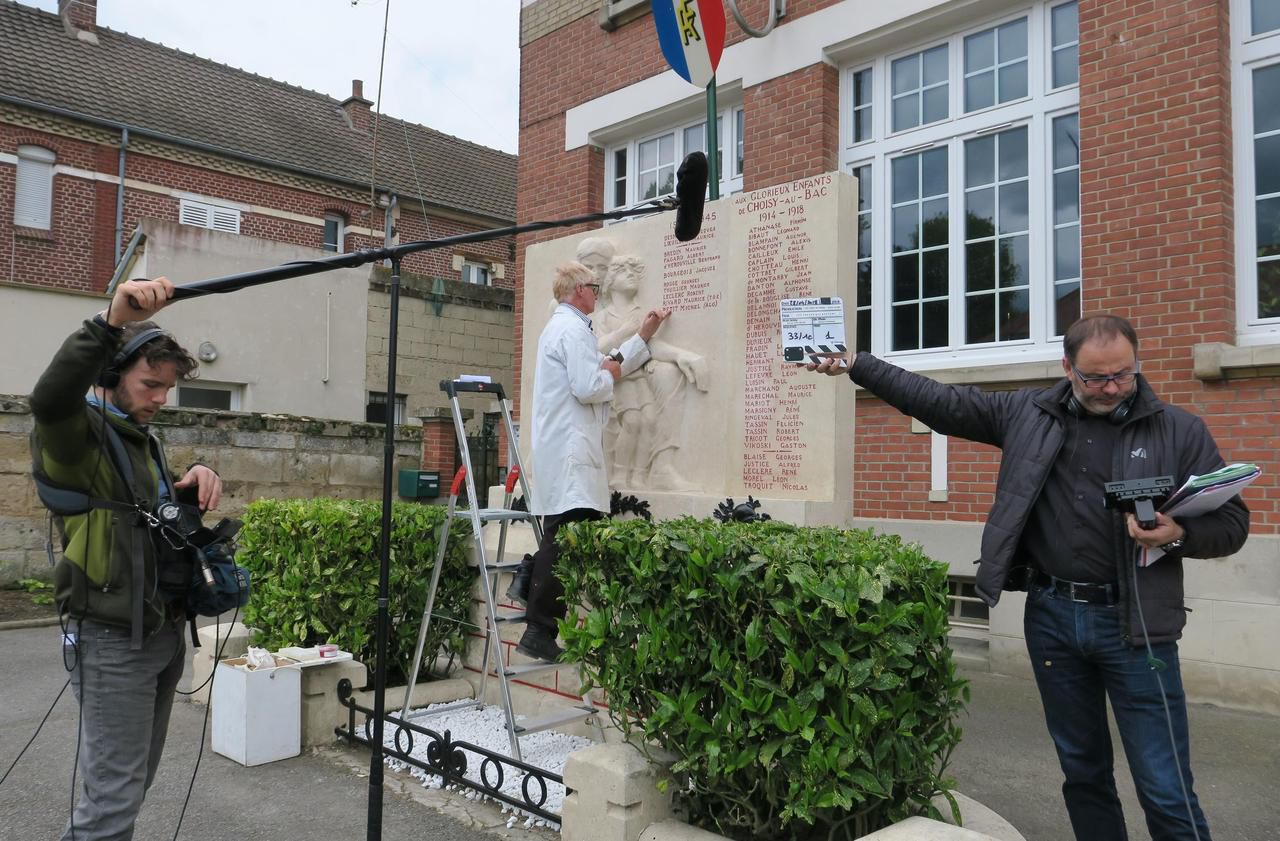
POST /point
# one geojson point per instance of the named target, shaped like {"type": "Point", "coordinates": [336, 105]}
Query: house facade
{"type": "Point", "coordinates": [119, 156]}
{"type": "Point", "coordinates": [1020, 163]}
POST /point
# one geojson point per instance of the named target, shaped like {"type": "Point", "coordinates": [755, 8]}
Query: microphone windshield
{"type": "Point", "coordinates": [691, 190]}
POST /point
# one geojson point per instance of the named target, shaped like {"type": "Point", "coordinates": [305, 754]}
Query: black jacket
{"type": "Point", "coordinates": [1028, 426]}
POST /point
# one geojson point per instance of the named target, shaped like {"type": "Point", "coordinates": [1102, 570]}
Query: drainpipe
{"type": "Point", "coordinates": [124, 144]}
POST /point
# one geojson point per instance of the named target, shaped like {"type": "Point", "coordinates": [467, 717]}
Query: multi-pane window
{"type": "Point", "coordinates": [1266, 180]}
{"type": "Point", "coordinates": [865, 194]}
{"type": "Point", "coordinates": [969, 233]}
{"type": "Point", "coordinates": [375, 410]}
{"type": "Point", "coordinates": [33, 200]}
{"type": "Point", "coordinates": [479, 274]}
{"type": "Point", "coordinates": [920, 88]}
{"type": "Point", "coordinates": [739, 144]}
{"type": "Point", "coordinates": [619, 198]}
{"type": "Point", "coordinates": [209, 396]}
{"type": "Point", "coordinates": [1064, 24]}
{"type": "Point", "coordinates": [1265, 16]}
{"type": "Point", "coordinates": [861, 105]}
{"type": "Point", "coordinates": [1066, 222]}
{"type": "Point", "coordinates": [995, 65]}
{"type": "Point", "coordinates": [921, 242]}
{"type": "Point", "coordinates": [1256, 111]}
{"type": "Point", "coordinates": [997, 256]}
{"type": "Point", "coordinates": [645, 168]}
{"type": "Point", "coordinates": [695, 140]}
{"type": "Point", "coordinates": [657, 166]}
{"type": "Point", "coordinates": [333, 233]}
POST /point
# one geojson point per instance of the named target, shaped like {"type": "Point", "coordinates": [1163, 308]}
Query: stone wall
{"type": "Point", "coordinates": [472, 334]}
{"type": "Point", "coordinates": [257, 455]}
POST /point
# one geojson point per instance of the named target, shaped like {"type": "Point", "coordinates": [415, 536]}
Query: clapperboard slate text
{"type": "Point", "coordinates": [811, 326]}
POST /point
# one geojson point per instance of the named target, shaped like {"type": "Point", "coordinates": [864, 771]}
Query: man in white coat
{"type": "Point", "coordinates": [573, 384]}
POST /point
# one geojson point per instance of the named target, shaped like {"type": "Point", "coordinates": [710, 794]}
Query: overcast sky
{"type": "Point", "coordinates": [453, 65]}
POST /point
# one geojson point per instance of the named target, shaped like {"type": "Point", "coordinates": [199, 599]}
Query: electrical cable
{"type": "Point", "coordinates": [217, 632]}
{"type": "Point", "coordinates": [14, 764]}
{"type": "Point", "coordinates": [1157, 665]}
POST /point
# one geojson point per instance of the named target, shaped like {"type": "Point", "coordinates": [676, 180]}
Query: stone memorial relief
{"type": "Point", "coordinates": [716, 412]}
{"type": "Point", "coordinates": [643, 439]}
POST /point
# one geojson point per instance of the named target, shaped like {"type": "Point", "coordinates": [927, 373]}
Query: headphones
{"type": "Point", "coordinates": [110, 376]}
{"type": "Point", "coordinates": [1117, 416]}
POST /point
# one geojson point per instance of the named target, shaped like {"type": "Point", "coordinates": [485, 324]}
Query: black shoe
{"type": "Point", "coordinates": [540, 644]}
{"type": "Point", "coordinates": [518, 591]}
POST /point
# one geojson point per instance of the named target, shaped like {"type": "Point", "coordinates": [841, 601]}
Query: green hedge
{"type": "Point", "coordinates": [801, 675]}
{"type": "Point", "coordinates": [315, 565]}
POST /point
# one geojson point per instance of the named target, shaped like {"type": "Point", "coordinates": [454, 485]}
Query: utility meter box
{"type": "Point", "coordinates": [257, 713]}
{"type": "Point", "coordinates": [419, 484]}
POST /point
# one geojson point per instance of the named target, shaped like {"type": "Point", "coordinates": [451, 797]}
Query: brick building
{"type": "Point", "coordinates": [1019, 163]}
{"type": "Point", "coordinates": [112, 146]}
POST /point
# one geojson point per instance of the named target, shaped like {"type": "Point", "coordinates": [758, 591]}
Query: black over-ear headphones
{"type": "Point", "coordinates": [1118, 415]}
{"type": "Point", "coordinates": [110, 376]}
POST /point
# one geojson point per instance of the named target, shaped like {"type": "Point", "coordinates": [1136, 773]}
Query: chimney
{"type": "Point", "coordinates": [357, 108]}
{"type": "Point", "coordinates": [80, 18]}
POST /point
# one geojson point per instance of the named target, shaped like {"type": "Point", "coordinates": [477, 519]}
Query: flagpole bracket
{"type": "Point", "coordinates": [777, 10]}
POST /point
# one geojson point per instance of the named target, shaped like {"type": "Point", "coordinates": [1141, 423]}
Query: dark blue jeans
{"type": "Point", "coordinates": [1080, 660]}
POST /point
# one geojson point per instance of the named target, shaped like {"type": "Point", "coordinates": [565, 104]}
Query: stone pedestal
{"type": "Point", "coordinates": [321, 709]}
{"type": "Point", "coordinates": [216, 642]}
{"type": "Point", "coordinates": [615, 795]}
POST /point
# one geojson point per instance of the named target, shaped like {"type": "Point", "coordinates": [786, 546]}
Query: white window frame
{"type": "Point", "coordinates": [469, 269]}
{"type": "Point", "coordinates": [1249, 53]}
{"type": "Point", "coordinates": [1036, 111]}
{"type": "Point", "coordinates": [236, 390]}
{"type": "Point", "coordinates": [215, 217]}
{"type": "Point", "coordinates": [340, 244]}
{"type": "Point", "coordinates": [728, 140]}
{"type": "Point", "coordinates": [33, 193]}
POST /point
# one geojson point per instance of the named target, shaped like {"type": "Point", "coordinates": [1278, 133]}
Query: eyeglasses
{"type": "Point", "coordinates": [1101, 380]}
{"type": "Point", "coordinates": [594, 287]}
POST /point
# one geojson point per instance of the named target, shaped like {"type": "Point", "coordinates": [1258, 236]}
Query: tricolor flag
{"type": "Point", "coordinates": [691, 33]}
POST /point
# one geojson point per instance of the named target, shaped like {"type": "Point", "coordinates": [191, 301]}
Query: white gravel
{"type": "Point", "coordinates": [486, 727]}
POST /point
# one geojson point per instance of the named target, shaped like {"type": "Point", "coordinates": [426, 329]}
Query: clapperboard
{"type": "Point", "coordinates": [811, 326]}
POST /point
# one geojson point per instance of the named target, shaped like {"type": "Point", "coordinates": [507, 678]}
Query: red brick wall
{"type": "Point", "coordinates": [79, 251]}
{"type": "Point", "coordinates": [792, 127]}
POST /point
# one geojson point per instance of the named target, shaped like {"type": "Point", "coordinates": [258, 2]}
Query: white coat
{"type": "Point", "coordinates": [571, 395]}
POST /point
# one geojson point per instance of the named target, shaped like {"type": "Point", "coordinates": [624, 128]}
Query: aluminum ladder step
{"type": "Point", "coordinates": [555, 719]}
{"type": "Point", "coordinates": [493, 515]}
{"type": "Point", "coordinates": [524, 669]}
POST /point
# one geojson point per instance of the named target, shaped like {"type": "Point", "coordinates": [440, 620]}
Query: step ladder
{"type": "Point", "coordinates": [488, 570]}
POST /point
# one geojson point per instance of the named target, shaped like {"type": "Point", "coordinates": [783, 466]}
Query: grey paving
{"type": "Point", "coordinates": [312, 797]}
{"type": "Point", "coordinates": [1005, 761]}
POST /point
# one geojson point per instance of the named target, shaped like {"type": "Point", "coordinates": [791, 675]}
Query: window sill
{"type": "Point", "coordinates": [1221, 361]}
{"type": "Point", "coordinates": [41, 234]}
{"type": "Point", "coordinates": [615, 13]}
{"type": "Point", "coordinates": [999, 377]}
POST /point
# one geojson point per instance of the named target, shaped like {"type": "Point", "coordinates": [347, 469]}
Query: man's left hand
{"type": "Point", "coordinates": [1167, 530]}
{"type": "Point", "coordinates": [207, 483]}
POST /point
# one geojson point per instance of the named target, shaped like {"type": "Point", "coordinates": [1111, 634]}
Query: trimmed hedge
{"type": "Point", "coordinates": [315, 566]}
{"type": "Point", "coordinates": [801, 675]}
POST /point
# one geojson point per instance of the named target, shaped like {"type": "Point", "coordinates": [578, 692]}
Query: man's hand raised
{"type": "Point", "coordinates": [139, 300]}
{"type": "Point", "coordinates": [652, 322]}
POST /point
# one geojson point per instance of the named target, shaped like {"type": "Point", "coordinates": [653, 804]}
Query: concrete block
{"type": "Point", "coordinates": [615, 794]}
{"type": "Point", "coordinates": [924, 829]}
{"type": "Point", "coordinates": [432, 692]}
{"type": "Point", "coordinates": [321, 709]}
{"type": "Point", "coordinates": [227, 641]}
{"type": "Point", "coordinates": [673, 830]}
